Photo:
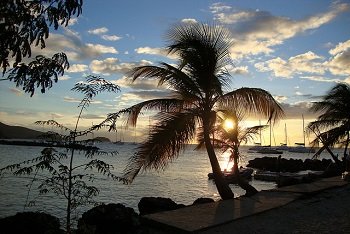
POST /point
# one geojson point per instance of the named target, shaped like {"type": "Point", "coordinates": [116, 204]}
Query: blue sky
{"type": "Point", "coordinates": [296, 50]}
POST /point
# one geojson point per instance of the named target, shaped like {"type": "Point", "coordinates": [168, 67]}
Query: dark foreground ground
{"type": "Point", "coordinates": [325, 212]}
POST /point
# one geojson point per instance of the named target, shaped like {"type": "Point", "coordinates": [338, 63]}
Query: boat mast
{"type": "Point", "coordinates": [303, 128]}
{"type": "Point", "coordinates": [260, 132]}
{"type": "Point", "coordinates": [285, 133]}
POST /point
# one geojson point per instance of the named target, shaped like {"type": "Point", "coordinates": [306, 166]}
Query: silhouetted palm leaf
{"type": "Point", "coordinates": [333, 124]}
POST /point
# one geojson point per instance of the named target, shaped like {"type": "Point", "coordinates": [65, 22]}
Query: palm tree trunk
{"type": "Point", "coordinates": [243, 183]}
{"type": "Point", "coordinates": [221, 184]}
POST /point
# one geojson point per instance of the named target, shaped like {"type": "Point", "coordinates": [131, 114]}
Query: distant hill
{"type": "Point", "coordinates": [17, 132]}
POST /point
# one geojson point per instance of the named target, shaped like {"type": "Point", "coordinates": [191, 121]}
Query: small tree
{"type": "Point", "coordinates": [63, 177]}
{"type": "Point", "coordinates": [229, 134]}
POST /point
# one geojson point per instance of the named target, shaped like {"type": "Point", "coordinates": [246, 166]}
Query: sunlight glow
{"type": "Point", "coordinates": [225, 163]}
{"type": "Point", "coordinates": [229, 125]}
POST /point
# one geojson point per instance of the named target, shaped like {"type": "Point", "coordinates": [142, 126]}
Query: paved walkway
{"type": "Point", "coordinates": [211, 216]}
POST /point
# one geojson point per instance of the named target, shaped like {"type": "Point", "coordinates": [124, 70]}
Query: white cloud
{"type": "Point", "coordinates": [98, 48]}
{"type": "Point", "coordinates": [72, 21]}
{"type": "Point", "coordinates": [189, 21]}
{"type": "Point", "coordinates": [64, 77]}
{"type": "Point", "coordinates": [155, 51]}
{"type": "Point", "coordinates": [149, 50]}
{"type": "Point", "coordinates": [234, 17]}
{"type": "Point", "coordinates": [111, 37]}
{"type": "Point", "coordinates": [339, 64]}
{"type": "Point", "coordinates": [242, 70]}
{"type": "Point", "coordinates": [341, 47]}
{"type": "Point", "coordinates": [219, 7]}
{"type": "Point", "coordinates": [113, 65]}
{"type": "Point", "coordinates": [308, 62]}
{"type": "Point", "coordinates": [98, 31]}
{"type": "Point", "coordinates": [71, 43]}
{"type": "Point", "coordinates": [280, 98]}
{"type": "Point", "coordinates": [71, 99]}
{"type": "Point", "coordinates": [259, 31]}
{"type": "Point", "coordinates": [140, 84]}
{"type": "Point", "coordinates": [77, 68]}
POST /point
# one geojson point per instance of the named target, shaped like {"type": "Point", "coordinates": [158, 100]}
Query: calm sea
{"type": "Point", "coordinates": [184, 180]}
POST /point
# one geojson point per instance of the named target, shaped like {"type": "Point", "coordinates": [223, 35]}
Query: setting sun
{"type": "Point", "coordinates": [229, 124]}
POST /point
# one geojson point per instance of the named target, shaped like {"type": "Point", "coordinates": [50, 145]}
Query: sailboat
{"type": "Point", "coordinates": [284, 146]}
{"type": "Point", "coordinates": [257, 145]}
{"type": "Point", "coordinates": [268, 149]}
{"type": "Point", "coordinates": [300, 147]}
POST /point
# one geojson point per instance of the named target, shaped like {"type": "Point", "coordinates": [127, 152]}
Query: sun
{"type": "Point", "coordinates": [229, 124]}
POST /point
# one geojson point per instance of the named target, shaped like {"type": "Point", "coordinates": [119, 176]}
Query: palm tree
{"type": "Point", "coordinates": [333, 124]}
{"type": "Point", "coordinates": [230, 134]}
{"type": "Point", "coordinates": [197, 85]}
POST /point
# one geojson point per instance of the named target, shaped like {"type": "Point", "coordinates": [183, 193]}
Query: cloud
{"type": "Point", "coordinates": [219, 7]}
{"type": "Point", "coordinates": [93, 116]}
{"type": "Point", "coordinates": [300, 94]}
{"type": "Point", "coordinates": [98, 48]}
{"type": "Point", "coordinates": [113, 65]}
{"type": "Point", "coordinates": [72, 21]}
{"type": "Point", "coordinates": [341, 47]}
{"type": "Point", "coordinates": [242, 70]}
{"type": "Point", "coordinates": [155, 51]}
{"type": "Point", "coordinates": [77, 68]}
{"type": "Point", "coordinates": [280, 98]}
{"type": "Point", "coordinates": [71, 99]}
{"type": "Point", "coordinates": [143, 95]}
{"type": "Point", "coordinates": [308, 62]}
{"type": "Point", "coordinates": [339, 63]}
{"type": "Point", "coordinates": [64, 77]}
{"type": "Point", "coordinates": [111, 37]}
{"type": "Point", "coordinates": [294, 111]}
{"type": "Point", "coordinates": [189, 21]}
{"type": "Point", "coordinates": [71, 43]}
{"type": "Point", "coordinates": [140, 84]}
{"type": "Point", "coordinates": [56, 115]}
{"type": "Point", "coordinates": [321, 79]}
{"type": "Point", "coordinates": [98, 31]}
{"type": "Point", "coordinates": [258, 31]}
{"type": "Point", "coordinates": [18, 92]}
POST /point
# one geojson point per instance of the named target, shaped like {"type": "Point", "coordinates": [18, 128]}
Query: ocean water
{"type": "Point", "coordinates": [184, 180]}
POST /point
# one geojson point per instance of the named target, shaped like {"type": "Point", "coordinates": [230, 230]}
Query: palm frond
{"type": "Point", "coordinates": [164, 143]}
{"type": "Point", "coordinates": [132, 113]}
{"type": "Point", "coordinates": [249, 134]}
{"type": "Point", "coordinates": [252, 101]}
{"type": "Point", "coordinates": [167, 74]}
{"type": "Point", "coordinates": [336, 101]}
{"type": "Point", "coordinates": [204, 54]}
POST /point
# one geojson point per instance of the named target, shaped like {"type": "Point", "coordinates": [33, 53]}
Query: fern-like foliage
{"type": "Point", "coordinates": [55, 170]}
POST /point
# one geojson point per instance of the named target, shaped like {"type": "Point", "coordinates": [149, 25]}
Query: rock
{"type": "Point", "coordinates": [30, 222]}
{"type": "Point", "coordinates": [332, 170]}
{"type": "Point", "coordinates": [108, 219]}
{"type": "Point", "coordinates": [150, 205]}
{"type": "Point", "coordinates": [203, 200]}
{"type": "Point", "coordinates": [288, 165]}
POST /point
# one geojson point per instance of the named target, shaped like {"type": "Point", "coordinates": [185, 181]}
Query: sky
{"type": "Point", "coordinates": [296, 50]}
